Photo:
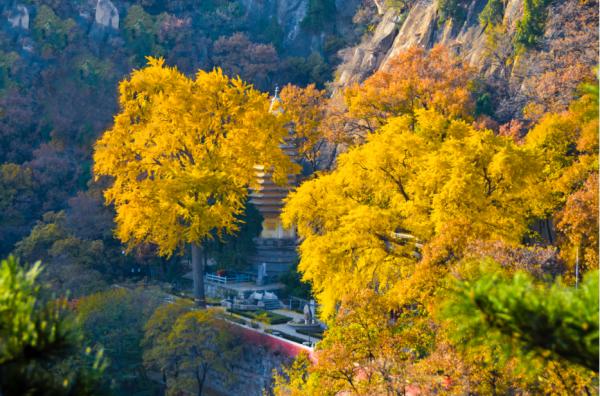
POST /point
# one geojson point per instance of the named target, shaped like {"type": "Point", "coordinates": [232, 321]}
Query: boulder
{"type": "Point", "coordinates": [364, 59]}
{"type": "Point", "coordinates": [19, 17]}
{"type": "Point", "coordinates": [290, 14]}
{"type": "Point", "coordinates": [107, 14]}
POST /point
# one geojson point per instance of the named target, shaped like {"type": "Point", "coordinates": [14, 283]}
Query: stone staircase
{"type": "Point", "coordinates": [272, 304]}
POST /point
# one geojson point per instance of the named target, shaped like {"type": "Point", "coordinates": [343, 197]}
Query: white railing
{"type": "Point", "coordinates": [237, 278]}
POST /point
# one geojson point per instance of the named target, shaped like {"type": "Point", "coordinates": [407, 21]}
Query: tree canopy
{"type": "Point", "coordinates": [181, 154]}
{"type": "Point", "coordinates": [394, 240]}
{"type": "Point", "coordinates": [188, 347]}
{"type": "Point", "coordinates": [433, 185]}
{"type": "Point", "coordinates": [412, 80]}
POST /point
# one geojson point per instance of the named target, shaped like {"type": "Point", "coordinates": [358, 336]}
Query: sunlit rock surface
{"type": "Point", "coordinates": [107, 14]}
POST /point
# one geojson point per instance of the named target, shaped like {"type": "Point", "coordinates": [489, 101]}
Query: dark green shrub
{"type": "Point", "coordinates": [237, 320]}
{"type": "Point", "coordinates": [51, 31]}
{"type": "Point", "coordinates": [320, 14]}
{"type": "Point", "coordinates": [484, 104]}
{"type": "Point", "coordinates": [455, 10]}
{"type": "Point", "coordinates": [529, 318]}
{"type": "Point", "coordinates": [41, 346]}
{"type": "Point", "coordinates": [294, 285]}
{"type": "Point", "coordinates": [263, 316]}
{"type": "Point", "coordinates": [492, 13]}
{"type": "Point", "coordinates": [531, 26]}
{"type": "Point", "coordinates": [311, 333]}
{"type": "Point", "coordinates": [140, 33]}
{"type": "Point", "coordinates": [285, 335]}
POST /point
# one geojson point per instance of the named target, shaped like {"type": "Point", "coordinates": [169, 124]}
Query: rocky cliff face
{"type": "Point", "coordinates": [570, 32]}
{"type": "Point", "coordinates": [290, 14]}
{"type": "Point", "coordinates": [107, 14]}
{"type": "Point", "coordinates": [18, 17]}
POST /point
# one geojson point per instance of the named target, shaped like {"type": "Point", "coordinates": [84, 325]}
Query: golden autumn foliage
{"type": "Point", "coordinates": [419, 204]}
{"type": "Point", "coordinates": [304, 108]}
{"type": "Point", "coordinates": [181, 154]}
{"type": "Point", "coordinates": [434, 184]}
{"type": "Point", "coordinates": [367, 350]}
{"type": "Point", "coordinates": [294, 380]}
{"type": "Point", "coordinates": [384, 235]}
{"type": "Point", "coordinates": [568, 144]}
{"type": "Point", "coordinates": [579, 221]}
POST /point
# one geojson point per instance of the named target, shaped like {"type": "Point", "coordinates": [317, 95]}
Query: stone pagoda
{"type": "Point", "coordinates": [276, 246]}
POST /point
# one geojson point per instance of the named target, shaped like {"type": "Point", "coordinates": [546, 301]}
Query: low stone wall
{"type": "Point", "coordinates": [252, 374]}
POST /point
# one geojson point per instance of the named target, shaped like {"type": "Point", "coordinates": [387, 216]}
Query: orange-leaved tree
{"type": "Point", "coordinates": [305, 109]}
{"type": "Point", "coordinates": [568, 143]}
{"type": "Point", "coordinates": [416, 79]}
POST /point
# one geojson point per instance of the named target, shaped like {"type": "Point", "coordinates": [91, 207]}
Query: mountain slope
{"type": "Point", "coordinates": [564, 52]}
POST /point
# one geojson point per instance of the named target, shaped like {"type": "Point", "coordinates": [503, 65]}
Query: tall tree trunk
{"type": "Point", "coordinates": [164, 382]}
{"type": "Point", "coordinates": [548, 223]}
{"type": "Point", "coordinates": [198, 274]}
{"type": "Point", "coordinates": [201, 378]}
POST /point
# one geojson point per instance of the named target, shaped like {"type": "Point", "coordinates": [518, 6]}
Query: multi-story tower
{"type": "Point", "coordinates": [276, 246]}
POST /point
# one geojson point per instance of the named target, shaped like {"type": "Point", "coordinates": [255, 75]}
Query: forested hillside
{"type": "Point", "coordinates": [445, 210]}
{"type": "Point", "coordinates": [60, 62]}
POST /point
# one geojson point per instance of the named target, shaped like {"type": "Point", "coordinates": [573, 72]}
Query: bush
{"type": "Point", "coordinates": [294, 285]}
{"type": "Point", "coordinates": [267, 317]}
{"type": "Point", "coordinates": [40, 342]}
{"type": "Point", "coordinates": [528, 318]}
{"type": "Point", "coordinates": [455, 10]}
{"type": "Point", "coordinates": [492, 13]}
{"type": "Point", "coordinates": [50, 30]}
{"type": "Point", "coordinates": [531, 26]}
{"type": "Point", "coordinates": [484, 104]}
{"type": "Point", "coordinates": [114, 319]}
{"type": "Point", "coordinates": [303, 71]}
{"type": "Point", "coordinates": [311, 333]}
{"type": "Point", "coordinates": [285, 335]}
{"type": "Point", "coordinates": [320, 14]}
{"type": "Point", "coordinates": [237, 320]}
{"type": "Point", "coordinates": [263, 317]}
{"type": "Point", "coordinates": [140, 33]}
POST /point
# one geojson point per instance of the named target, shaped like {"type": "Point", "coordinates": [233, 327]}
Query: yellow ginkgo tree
{"type": "Point", "coordinates": [412, 198]}
{"type": "Point", "coordinates": [181, 156]}
{"type": "Point", "coordinates": [569, 145]}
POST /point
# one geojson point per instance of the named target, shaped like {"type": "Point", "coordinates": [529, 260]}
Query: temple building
{"type": "Point", "coordinates": [276, 246]}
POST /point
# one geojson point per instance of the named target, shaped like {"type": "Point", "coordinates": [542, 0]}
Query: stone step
{"type": "Point", "coordinates": [272, 304]}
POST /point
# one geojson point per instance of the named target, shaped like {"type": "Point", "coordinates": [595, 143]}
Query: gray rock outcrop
{"type": "Point", "coordinates": [419, 26]}
{"type": "Point", "coordinates": [19, 17]}
{"type": "Point", "coordinates": [107, 15]}
{"type": "Point", "coordinates": [364, 59]}
{"type": "Point", "coordinates": [289, 14]}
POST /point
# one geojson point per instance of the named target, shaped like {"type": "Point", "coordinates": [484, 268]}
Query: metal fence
{"type": "Point", "coordinates": [237, 278]}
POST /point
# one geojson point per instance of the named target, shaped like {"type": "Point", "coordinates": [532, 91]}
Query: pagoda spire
{"type": "Point", "coordinates": [276, 102]}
